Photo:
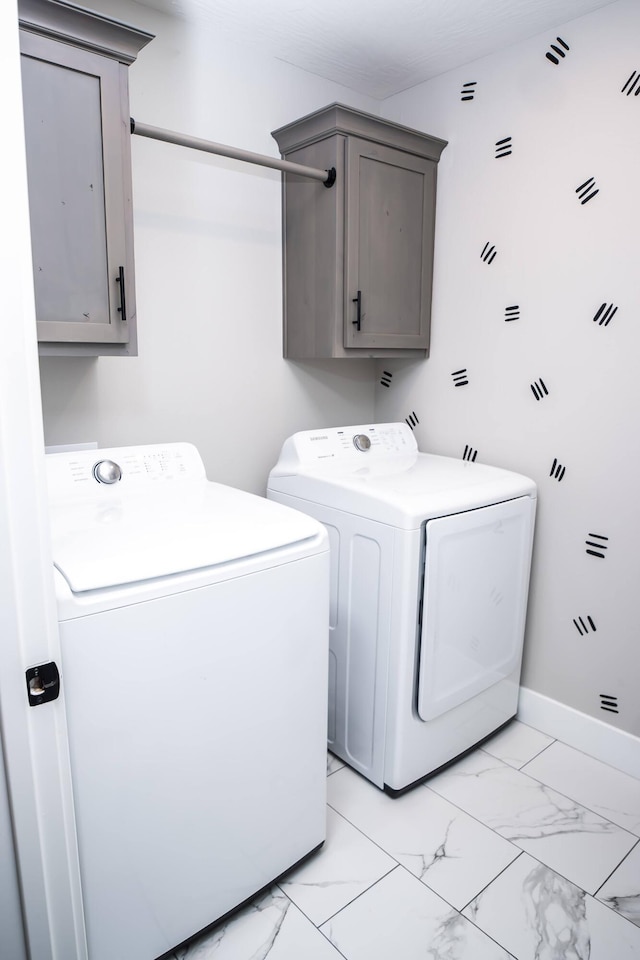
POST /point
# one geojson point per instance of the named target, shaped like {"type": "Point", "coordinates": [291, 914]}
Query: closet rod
{"type": "Point", "coordinates": [328, 177]}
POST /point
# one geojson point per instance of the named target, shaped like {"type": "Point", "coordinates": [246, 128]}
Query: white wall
{"type": "Point", "coordinates": [558, 260]}
{"type": "Point", "coordinates": [209, 269]}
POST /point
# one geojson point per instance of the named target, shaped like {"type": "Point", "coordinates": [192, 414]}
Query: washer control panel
{"type": "Point", "coordinates": [125, 469]}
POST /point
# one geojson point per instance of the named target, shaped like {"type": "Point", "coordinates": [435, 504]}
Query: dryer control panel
{"type": "Point", "coordinates": [348, 445]}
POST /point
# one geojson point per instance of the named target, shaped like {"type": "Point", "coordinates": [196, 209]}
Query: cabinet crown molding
{"type": "Point", "coordinates": [91, 31]}
{"type": "Point", "coordinates": [338, 118]}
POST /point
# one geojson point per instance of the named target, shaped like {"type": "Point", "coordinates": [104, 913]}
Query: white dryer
{"type": "Point", "coordinates": [193, 630]}
{"type": "Point", "coordinates": [430, 560]}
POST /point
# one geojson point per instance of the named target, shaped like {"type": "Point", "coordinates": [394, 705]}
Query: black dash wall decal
{"type": "Point", "coordinates": [607, 702]}
{"type": "Point", "coordinates": [632, 86]}
{"type": "Point", "coordinates": [468, 90]}
{"type": "Point", "coordinates": [598, 542]}
{"type": "Point", "coordinates": [488, 253]}
{"type": "Point", "coordinates": [512, 313]}
{"type": "Point", "coordinates": [584, 625]}
{"type": "Point", "coordinates": [385, 379]}
{"type": "Point", "coordinates": [412, 419]}
{"type": "Point", "coordinates": [503, 148]}
{"type": "Point", "coordinates": [557, 50]}
{"type": "Point", "coordinates": [586, 192]}
{"type": "Point", "coordinates": [460, 378]}
{"type": "Point", "coordinates": [605, 314]}
{"type": "Point", "coordinates": [557, 471]}
{"type": "Point", "coordinates": [469, 453]}
{"type": "Point", "coordinates": [539, 389]}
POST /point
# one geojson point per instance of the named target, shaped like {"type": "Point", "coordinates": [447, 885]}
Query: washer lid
{"type": "Point", "coordinates": [114, 540]}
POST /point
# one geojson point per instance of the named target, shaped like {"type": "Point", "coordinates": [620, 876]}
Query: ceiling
{"type": "Point", "coordinates": [378, 47]}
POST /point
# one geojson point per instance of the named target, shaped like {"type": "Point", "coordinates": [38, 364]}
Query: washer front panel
{"type": "Point", "coordinates": [174, 707]}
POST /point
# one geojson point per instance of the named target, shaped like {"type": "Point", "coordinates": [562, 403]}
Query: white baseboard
{"type": "Point", "coordinates": [616, 747]}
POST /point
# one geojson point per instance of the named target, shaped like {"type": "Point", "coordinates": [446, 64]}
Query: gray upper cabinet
{"type": "Point", "coordinates": [358, 256]}
{"type": "Point", "coordinates": [77, 133]}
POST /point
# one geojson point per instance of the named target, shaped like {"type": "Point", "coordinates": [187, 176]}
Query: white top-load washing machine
{"type": "Point", "coordinates": [193, 629]}
{"type": "Point", "coordinates": [430, 560]}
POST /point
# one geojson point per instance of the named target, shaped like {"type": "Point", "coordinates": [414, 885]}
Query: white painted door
{"type": "Point", "coordinates": [40, 829]}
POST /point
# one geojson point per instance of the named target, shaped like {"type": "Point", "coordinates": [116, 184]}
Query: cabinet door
{"type": "Point", "coordinates": [73, 132]}
{"type": "Point", "coordinates": [389, 239]}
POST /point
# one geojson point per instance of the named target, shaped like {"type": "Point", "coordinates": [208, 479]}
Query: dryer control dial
{"type": "Point", "coordinates": [361, 442]}
{"type": "Point", "coordinates": [107, 471]}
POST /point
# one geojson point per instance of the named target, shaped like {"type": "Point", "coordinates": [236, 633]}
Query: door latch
{"type": "Point", "coordinates": [43, 684]}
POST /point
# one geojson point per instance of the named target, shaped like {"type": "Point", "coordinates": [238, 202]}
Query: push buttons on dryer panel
{"type": "Point", "coordinates": [361, 442]}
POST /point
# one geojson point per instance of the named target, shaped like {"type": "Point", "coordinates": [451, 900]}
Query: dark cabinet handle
{"type": "Point", "coordinates": [122, 309]}
{"type": "Point", "coordinates": [358, 300]}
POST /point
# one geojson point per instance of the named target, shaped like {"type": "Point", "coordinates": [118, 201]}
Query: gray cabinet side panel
{"type": "Point", "coordinates": [129, 348]}
{"type": "Point", "coordinates": [314, 251]}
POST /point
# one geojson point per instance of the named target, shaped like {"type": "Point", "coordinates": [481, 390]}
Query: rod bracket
{"type": "Point", "coordinates": [132, 125]}
{"type": "Point", "coordinates": [331, 177]}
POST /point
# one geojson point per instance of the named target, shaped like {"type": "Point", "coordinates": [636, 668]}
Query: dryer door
{"type": "Point", "coordinates": [474, 605]}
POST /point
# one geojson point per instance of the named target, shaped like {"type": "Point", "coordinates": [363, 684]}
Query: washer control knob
{"type": "Point", "coordinates": [361, 442]}
{"type": "Point", "coordinates": [106, 471]}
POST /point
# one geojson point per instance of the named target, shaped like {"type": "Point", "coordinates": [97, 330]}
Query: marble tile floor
{"type": "Point", "coordinates": [524, 849]}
